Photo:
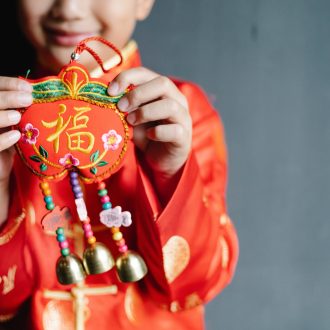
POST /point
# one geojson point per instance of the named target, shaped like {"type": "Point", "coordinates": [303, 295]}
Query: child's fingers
{"type": "Point", "coordinates": [170, 133]}
{"type": "Point", "coordinates": [135, 76]}
{"type": "Point", "coordinates": [8, 139]}
{"type": "Point", "coordinates": [159, 87]}
{"type": "Point", "coordinates": [14, 84]}
{"type": "Point", "coordinates": [166, 109]}
{"type": "Point", "coordinates": [14, 99]}
{"type": "Point", "coordinates": [8, 118]}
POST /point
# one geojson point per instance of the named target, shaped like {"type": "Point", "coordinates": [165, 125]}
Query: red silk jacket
{"type": "Point", "coordinates": [190, 246]}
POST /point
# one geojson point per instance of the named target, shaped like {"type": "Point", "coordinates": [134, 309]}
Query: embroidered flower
{"type": "Point", "coordinates": [68, 160]}
{"type": "Point", "coordinates": [30, 134]}
{"type": "Point", "coordinates": [111, 140]}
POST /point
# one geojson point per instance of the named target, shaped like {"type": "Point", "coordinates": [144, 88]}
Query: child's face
{"type": "Point", "coordinates": [56, 26]}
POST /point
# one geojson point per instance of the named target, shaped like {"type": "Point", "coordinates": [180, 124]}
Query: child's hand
{"type": "Point", "coordinates": [14, 93]}
{"type": "Point", "coordinates": [160, 116]}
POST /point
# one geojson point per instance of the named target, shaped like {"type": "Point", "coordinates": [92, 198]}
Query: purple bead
{"type": "Point", "coordinates": [74, 182]}
{"type": "Point", "coordinates": [73, 175]}
{"type": "Point", "coordinates": [79, 195]}
{"type": "Point", "coordinates": [76, 189]}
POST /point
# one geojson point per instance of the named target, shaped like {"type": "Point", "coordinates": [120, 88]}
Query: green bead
{"type": "Point", "coordinates": [50, 206]}
{"type": "Point", "coordinates": [102, 192]}
{"type": "Point", "coordinates": [65, 252]}
{"type": "Point", "coordinates": [60, 231]}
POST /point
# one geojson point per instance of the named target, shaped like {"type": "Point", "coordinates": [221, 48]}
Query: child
{"type": "Point", "coordinates": [173, 182]}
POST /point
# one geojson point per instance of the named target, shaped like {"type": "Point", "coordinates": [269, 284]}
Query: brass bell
{"type": "Point", "coordinates": [130, 267]}
{"type": "Point", "coordinates": [97, 259]}
{"type": "Point", "coordinates": [69, 269]}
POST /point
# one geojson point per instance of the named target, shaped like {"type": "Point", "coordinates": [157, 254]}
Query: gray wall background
{"type": "Point", "coordinates": [265, 64]}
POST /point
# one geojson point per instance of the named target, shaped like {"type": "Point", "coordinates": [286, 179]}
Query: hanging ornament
{"type": "Point", "coordinates": [74, 129]}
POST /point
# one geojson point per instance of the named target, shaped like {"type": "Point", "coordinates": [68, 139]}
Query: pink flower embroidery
{"type": "Point", "coordinates": [111, 140]}
{"type": "Point", "coordinates": [30, 134]}
{"type": "Point", "coordinates": [68, 160]}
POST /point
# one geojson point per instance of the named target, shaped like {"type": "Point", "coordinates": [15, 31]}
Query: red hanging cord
{"type": "Point", "coordinates": [82, 46]}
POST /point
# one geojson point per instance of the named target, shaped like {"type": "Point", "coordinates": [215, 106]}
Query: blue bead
{"type": "Point", "coordinates": [106, 206]}
{"type": "Point", "coordinates": [60, 238]}
{"type": "Point", "coordinates": [48, 199]}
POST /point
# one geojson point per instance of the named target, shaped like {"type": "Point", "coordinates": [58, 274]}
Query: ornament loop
{"type": "Point", "coordinates": [82, 45]}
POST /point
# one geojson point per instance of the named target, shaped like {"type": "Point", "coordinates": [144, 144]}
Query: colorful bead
{"type": "Point", "coordinates": [102, 192]}
{"type": "Point", "coordinates": [44, 185]}
{"type": "Point", "coordinates": [79, 195]}
{"type": "Point", "coordinates": [60, 238]}
{"type": "Point", "coordinates": [120, 243]}
{"type": "Point", "coordinates": [64, 245]}
{"type": "Point", "coordinates": [123, 249]}
{"type": "Point", "coordinates": [114, 229]}
{"type": "Point", "coordinates": [89, 234]}
{"type": "Point", "coordinates": [74, 182]}
{"type": "Point", "coordinates": [117, 236]}
{"type": "Point", "coordinates": [91, 240]}
{"type": "Point", "coordinates": [87, 227]}
{"type": "Point", "coordinates": [50, 206]}
{"type": "Point", "coordinates": [60, 231]}
{"type": "Point", "coordinates": [105, 199]}
{"type": "Point", "coordinates": [101, 186]}
{"type": "Point", "coordinates": [48, 199]}
{"type": "Point", "coordinates": [65, 252]}
{"type": "Point", "coordinates": [46, 192]}
{"type": "Point", "coordinates": [73, 175]}
{"type": "Point", "coordinates": [106, 206]}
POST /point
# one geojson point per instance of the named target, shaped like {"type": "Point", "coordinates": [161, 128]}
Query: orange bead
{"type": "Point", "coordinates": [91, 240]}
{"type": "Point", "coordinates": [114, 229]}
{"type": "Point", "coordinates": [46, 192]}
{"type": "Point", "coordinates": [44, 185]}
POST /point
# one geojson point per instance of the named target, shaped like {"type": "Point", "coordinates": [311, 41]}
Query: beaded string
{"type": "Point", "coordinates": [117, 235]}
{"type": "Point", "coordinates": [81, 208]}
{"type": "Point", "coordinates": [62, 241]}
{"type": "Point", "coordinates": [47, 195]}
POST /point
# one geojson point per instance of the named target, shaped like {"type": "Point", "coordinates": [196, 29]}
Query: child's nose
{"type": "Point", "coordinates": [69, 9]}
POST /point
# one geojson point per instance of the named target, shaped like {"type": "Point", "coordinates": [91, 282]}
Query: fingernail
{"type": "Point", "coordinates": [14, 117]}
{"type": "Point", "coordinates": [131, 118]}
{"type": "Point", "coordinates": [25, 86]}
{"type": "Point", "coordinates": [14, 136]}
{"type": "Point", "coordinates": [113, 88]}
{"type": "Point", "coordinates": [24, 99]}
{"type": "Point", "coordinates": [123, 104]}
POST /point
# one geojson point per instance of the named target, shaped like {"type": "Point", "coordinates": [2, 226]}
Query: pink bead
{"type": "Point", "coordinates": [88, 233]}
{"type": "Point", "coordinates": [64, 245]}
{"type": "Point", "coordinates": [87, 227]}
{"type": "Point", "coordinates": [105, 199]}
{"type": "Point", "coordinates": [123, 248]}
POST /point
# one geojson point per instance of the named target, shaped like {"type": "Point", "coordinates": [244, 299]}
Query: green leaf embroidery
{"type": "Point", "coordinates": [93, 170]}
{"type": "Point", "coordinates": [43, 167]}
{"type": "Point", "coordinates": [101, 163]}
{"type": "Point", "coordinates": [95, 156]}
{"type": "Point", "coordinates": [35, 158]}
{"type": "Point", "coordinates": [43, 152]}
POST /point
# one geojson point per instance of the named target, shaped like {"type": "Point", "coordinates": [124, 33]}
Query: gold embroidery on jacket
{"type": "Point", "coordinates": [12, 231]}
{"type": "Point", "coordinates": [176, 256]}
{"type": "Point", "coordinates": [8, 280]}
{"type": "Point", "coordinates": [80, 310]}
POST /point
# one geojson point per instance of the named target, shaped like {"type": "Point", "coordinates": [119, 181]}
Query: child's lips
{"type": "Point", "coordinates": [65, 38]}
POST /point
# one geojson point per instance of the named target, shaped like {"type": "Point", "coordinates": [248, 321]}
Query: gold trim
{"type": "Point", "coordinates": [5, 238]}
{"type": "Point", "coordinates": [126, 52]}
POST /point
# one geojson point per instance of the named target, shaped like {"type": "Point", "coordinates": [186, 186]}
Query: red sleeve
{"type": "Point", "coordinates": [190, 246]}
{"type": "Point", "coordinates": [15, 282]}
